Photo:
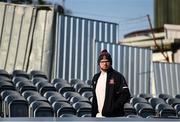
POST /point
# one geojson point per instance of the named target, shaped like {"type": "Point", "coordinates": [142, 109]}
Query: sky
{"type": "Point", "coordinates": [131, 15]}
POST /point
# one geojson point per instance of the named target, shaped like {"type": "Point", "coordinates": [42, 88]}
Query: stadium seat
{"type": "Point", "coordinates": [177, 96]}
{"type": "Point", "coordinates": [164, 96]}
{"type": "Point", "coordinates": [4, 73]}
{"type": "Point", "coordinates": [37, 80]}
{"type": "Point", "coordinates": [15, 106]}
{"type": "Point", "coordinates": [63, 87]}
{"type": "Point", "coordinates": [177, 108]}
{"type": "Point", "coordinates": [25, 85]}
{"type": "Point", "coordinates": [40, 109]}
{"type": "Point", "coordinates": [72, 82]}
{"type": "Point", "coordinates": [62, 108]}
{"type": "Point", "coordinates": [20, 73]}
{"type": "Point", "coordinates": [33, 98]}
{"type": "Point", "coordinates": [38, 73]}
{"type": "Point", "coordinates": [4, 78]}
{"type": "Point", "coordinates": [173, 101]}
{"type": "Point", "coordinates": [82, 108]}
{"type": "Point", "coordinates": [75, 99]}
{"type": "Point", "coordinates": [145, 95]}
{"type": "Point", "coordinates": [51, 93]}
{"type": "Point", "coordinates": [155, 101]}
{"type": "Point", "coordinates": [88, 82]}
{"type": "Point", "coordinates": [57, 80]}
{"type": "Point", "coordinates": [70, 94]}
{"type": "Point", "coordinates": [129, 109]}
{"type": "Point", "coordinates": [5, 85]}
{"type": "Point", "coordinates": [87, 94]}
{"type": "Point", "coordinates": [144, 109]}
{"type": "Point", "coordinates": [81, 87]}
{"type": "Point", "coordinates": [135, 100]}
{"type": "Point", "coordinates": [57, 98]}
{"type": "Point", "coordinates": [28, 93]}
{"type": "Point", "coordinates": [17, 79]}
{"type": "Point", "coordinates": [43, 87]}
{"type": "Point", "coordinates": [3, 95]}
{"type": "Point", "coordinates": [165, 110]}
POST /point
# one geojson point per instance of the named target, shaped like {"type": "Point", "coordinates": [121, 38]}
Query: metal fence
{"type": "Point", "coordinates": [26, 37]}
{"type": "Point", "coordinates": [74, 44]}
{"type": "Point", "coordinates": [167, 78]}
{"type": "Point", "coordinates": [134, 63]}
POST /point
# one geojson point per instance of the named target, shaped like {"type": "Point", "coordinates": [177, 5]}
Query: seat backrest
{"type": "Point", "coordinates": [135, 100]}
{"type": "Point", "coordinates": [164, 96]}
{"type": "Point", "coordinates": [155, 101]}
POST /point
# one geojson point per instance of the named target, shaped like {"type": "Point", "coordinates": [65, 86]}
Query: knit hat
{"type": "Point", "coordinates": [104, 55]}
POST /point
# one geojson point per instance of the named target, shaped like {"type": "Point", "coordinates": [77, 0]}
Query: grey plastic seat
{"type": "Point", "coordinates": [87, 94]}
{"type": "Point", "coordinates": [43, 87]}
{"type": "Point", "coordinates": [17, 79]}
{"type": "Point", "coordinates": [177, 96]}
{"type": "Point", "coordinates": [129, 109]}
{"type": "Point", "coordinates": [12, 105]}
{"type": "Point", "coordinates": [173, 101]}
{"type": "Point", "coordinates": [144, 109]}
{"type": "Point", "coordinates": [72, 82]}
{"type": "Point", "coordinates": [88, 82]}
{"type": "Point", "coordinates": [40, 109]}
{"type": "Point", "coordinates": [82, 108]}
{"type": "Point", "coordinates": [5, 85]}
{"type": "Point", "coordinates": [177, 108]}
{"type": "Point", "coordinates": [4, 78]}
{"type": "Point", "coordinates": [28, 93]}
{"type": "Point", "coordinates": [57, 98]}
{"type": "Point", "coordinates": [51, 93]}
{"type": "Point", "coordinates": [164, 96]}
{"type": "Point", "coordinates": [165, 110]}
{"type": "Point", "coordinates": [75, 99]}
{"type": "Point", "coordinates": [57, 80]}
{"type": "Point", "coordinates": [135, 100]}
{"type": "Point", "coordinates": [33, 98]}
{"type": "Point", "coordinates": [3, 95]}
{"type": "Point", "coordinates": [70, 94]}
{"type": "Point", "coordinates": [81, 87]}
{"type": "Point", "coordinates": [25, 85]}
{"type": "Point", "coordinates": [37, 80]}
{"type": "Point", "coordinates": [38, 73]}
{"type": "Point", "coordinates": [4, 73]}
{"type": "Point", "coordinates": [20, 73]}
{"type": "Point", "coordinates": [62, 108]}
{"type": "Point", "coordinates": [155, 101]}
{"type": "Point", "coordinates": [63, 87]}
{"type": "Point", "coordinates": [145, 95]}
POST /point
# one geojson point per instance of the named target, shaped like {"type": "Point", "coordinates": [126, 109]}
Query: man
{"type": "Point", "coordinates": [110, 90]}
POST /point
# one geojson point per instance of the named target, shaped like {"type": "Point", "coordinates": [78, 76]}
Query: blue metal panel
{"type": "Point", "coordinates": [74, 50]}
{"type": "Point", "coordinates": [167, 76]}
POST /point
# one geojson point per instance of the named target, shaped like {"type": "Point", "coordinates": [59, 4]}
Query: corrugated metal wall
{"type": "Point", "coordinates": [74, 44]}
{"type": "Point", "coordinates": [25, 37]}
{"type": "Point", "coordinates": [134, 63]}
{"type": "Point", "coordinates": [167, 78]}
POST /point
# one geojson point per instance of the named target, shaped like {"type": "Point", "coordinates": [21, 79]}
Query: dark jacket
{"type": "Point", "coordinates": [117, 94]}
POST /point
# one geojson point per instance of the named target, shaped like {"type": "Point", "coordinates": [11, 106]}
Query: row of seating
{"type": "Point", "coordinates": [34, 95]}
{"type": "Point", "coordinates": [145, 105]}
{"type": "Point", "coordinates": [40, 97]}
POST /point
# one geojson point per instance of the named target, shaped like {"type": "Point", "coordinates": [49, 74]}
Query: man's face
{"type": "Point", "coordinates": [105, 64]}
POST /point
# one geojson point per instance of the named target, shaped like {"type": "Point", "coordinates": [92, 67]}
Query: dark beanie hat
{"type": "Point", "coordinates": [104, 54]}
